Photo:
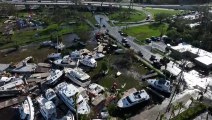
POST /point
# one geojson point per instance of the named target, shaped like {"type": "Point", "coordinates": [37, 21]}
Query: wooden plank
{"type": "Point", "coordinates": [12, 101]}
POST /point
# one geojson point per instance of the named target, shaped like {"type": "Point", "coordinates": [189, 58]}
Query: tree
{"type": "Point", "coordinates": [161, 17]}
{"type": "Point", "coordinates": [7, 9]}
{"type": "Point", "coordinates": [173, 35]}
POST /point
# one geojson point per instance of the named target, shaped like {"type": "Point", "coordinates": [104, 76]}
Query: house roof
{"type": "Point", "coordinates": [205, 60]}
{"type": "Point", "coordinates": [204, 57]}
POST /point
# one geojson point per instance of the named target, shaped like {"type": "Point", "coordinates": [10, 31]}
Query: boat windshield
{"type": "Point", "coordinates": [128, 99]}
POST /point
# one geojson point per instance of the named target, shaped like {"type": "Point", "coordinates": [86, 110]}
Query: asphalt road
{"type": "Point", "coordinates": [113, 31]}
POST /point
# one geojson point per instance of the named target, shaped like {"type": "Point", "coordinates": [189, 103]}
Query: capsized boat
{"type": "Point", "coordinates": [133, 99]}
{"type": "Point", "coordinates": [54, 76]}
{"type": "Point", "coordinates": [77, 76]}
{"type": "Point", "coordinates": [71, 96]}
{"type": "Point", "coordinates": [161, 85]}
{"type": "Point", "coordinates": [26, 110]}
{"type": "Point", "coordinates": [47, 108]}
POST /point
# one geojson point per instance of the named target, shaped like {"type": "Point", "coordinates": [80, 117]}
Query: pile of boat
{"type": "Point", "coordinates": [85, 58]}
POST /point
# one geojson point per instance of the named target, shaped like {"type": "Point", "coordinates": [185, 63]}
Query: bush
{"type": "Point", "coordinates": [112, 109]}
{"type": "Point", "coordinates": [191, 113]}
{"type": "Point", "coordinates": [49, 30]}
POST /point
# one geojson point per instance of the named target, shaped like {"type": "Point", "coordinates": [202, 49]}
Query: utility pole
{"type": "Point", "coordinates": [179, 78]}
{"type": "Point", "coordinates": [131, 4]}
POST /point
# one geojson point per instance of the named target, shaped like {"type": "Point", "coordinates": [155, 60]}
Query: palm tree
{"type": "Point", "coordinates": [180, 105]}
{"type": "Point", "coordinates": [76, 105]}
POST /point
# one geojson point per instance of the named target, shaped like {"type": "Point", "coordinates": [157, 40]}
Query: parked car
{"type": "Point", "coordinates": [124, 40]}
{"type": "Point", "coordinates": [123, 34]}
{"type": "Point", "coordinates": [140, 54]}
{"type": "Point", "coordinates": [148, 40]}
{"type": "Point", "coordinates": [127, 45]}
{"type": "Point", "coordinates": [153, 38]}
{"type": "Point", "coordinates": [148, 17]}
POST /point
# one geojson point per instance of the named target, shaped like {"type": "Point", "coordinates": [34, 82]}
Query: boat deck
{"type": "Point", "coordinates": [128, 92]}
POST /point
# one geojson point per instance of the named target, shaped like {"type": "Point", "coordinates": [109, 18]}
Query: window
{"type": "Point", "coordinates": [128, 99]}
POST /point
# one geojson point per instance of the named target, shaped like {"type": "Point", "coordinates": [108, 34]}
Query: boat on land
{"type": "Point", "coordinates": [161, 85]}
{"type": "Point", "coordinates": [71, 96]}
{"type": "Point", "coordinates": [133, 99]}
{"type": "Point", "coordinates": [54, 76]}
{"type": "Point", "coordinates": [47, 108]}
{"type": "Point", "coordinates": [75, 55]}
{"type": "Point", "coordinates": [66, 61]}
{"type": "Point", "coordinates": [88, 61]}
{"type": "Point", "coordinates": [54, 56]}
{"type": "Point", "coordinates": [77, 76]}
{"type": "Point", "coordinates": [51, 96]}
{"type": "Point", "coordinates": [26, 110]}
{"type": "Point", "coordinates": [68, 116]}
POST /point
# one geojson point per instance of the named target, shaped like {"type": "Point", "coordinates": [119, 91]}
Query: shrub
{"type": "Point", "coordinates": [191, 113]}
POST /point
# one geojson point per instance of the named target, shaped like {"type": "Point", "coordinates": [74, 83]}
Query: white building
{"type": "Point", "coordinates": [201, 57]}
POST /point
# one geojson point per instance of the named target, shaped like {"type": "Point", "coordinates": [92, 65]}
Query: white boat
{"type": "Point", "coordinates": [88, 61]}
{"type": "Point", "coordinates": [95, 89]}
{"type": "Point", "coordinates": [65, 62]}
{"type": "Point", "coordinates": [51, 96]}
{"type": "Point", "coordinates": [133, 99]}
{"type": "Point", "coordinates": [68, 116]}
{"type": "Point", "coordinates": [70, 95]}
{"type": "Point", "coordinates": [54, 56]}
{"type": "Point", "coordinates": [75, 55]}
{"type": "Point", "coordinates": [77, 76]}
{"type": "Point", "coordinates": [47, 108]}
{"type": "Point", "coordinates": [12, 84]}
{"type": "Point", "coordinates": [97, 56]}
{"type": "Point", "coordinates": [4, 80]}
{"type": "Point", "coordinates": [54, 76]}
{"type": "Point", "coordinates": [26, 110]}
{"type": "Point", "coordinates": [161, 85]}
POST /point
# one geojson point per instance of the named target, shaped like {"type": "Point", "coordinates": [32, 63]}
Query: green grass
{"type": "Point", "coordinates": [146, 31]}
{"type": "Point", "coordinates": [26, 37]}
{"type": "Point", "coordinates": [124, 16]}
{"type": "Point", "coordinates": [167, 11]}
{"type": "Point", "coordinates": [90, 17]}
{"type": "Point", "coordinates": [108, 80]}
{"type": "Point", "coordinates": [39, 55]}
{"type": "Point", "coordinates": [191, 113]}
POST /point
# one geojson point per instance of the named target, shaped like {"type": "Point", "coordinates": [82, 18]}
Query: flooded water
{"type": "Point", "coordinates": [72, 39]}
